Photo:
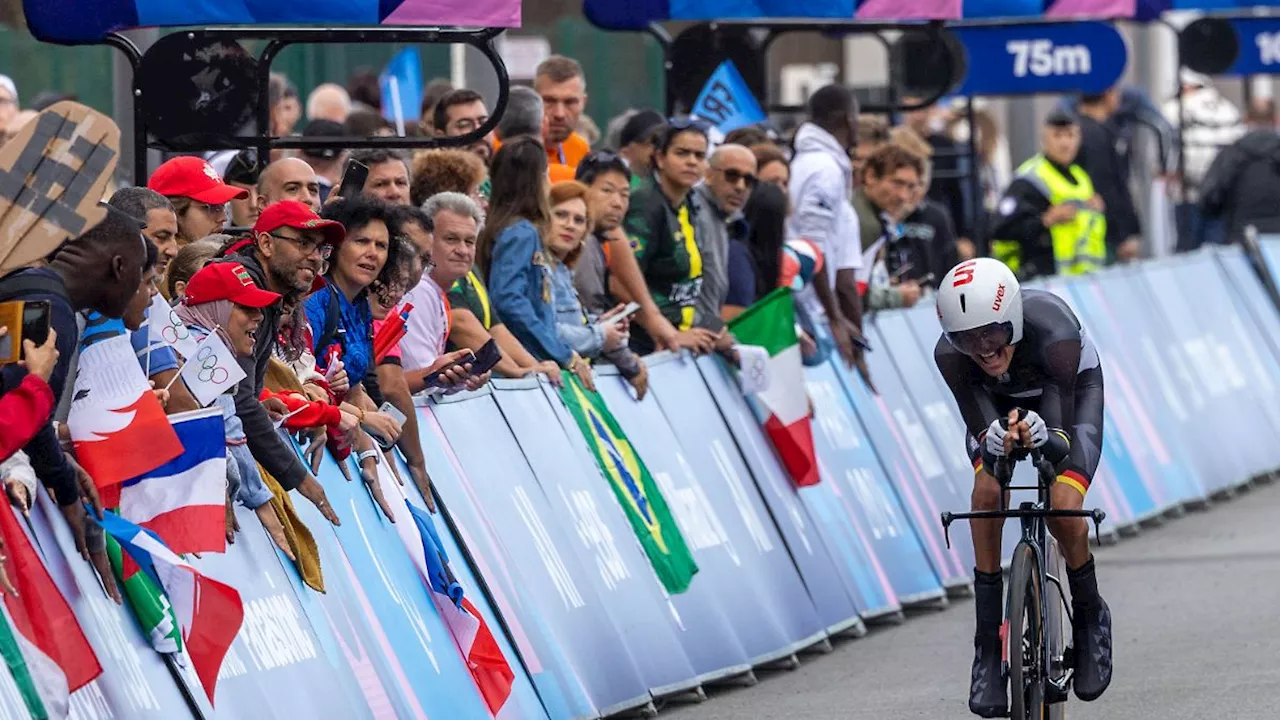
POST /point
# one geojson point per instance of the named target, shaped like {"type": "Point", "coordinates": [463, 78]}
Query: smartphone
{"type": "Point", "coordinates": [391, 410]}
{"type": "Point", "coordinates": [486, 357]}
{"type": "Point", "coordinates": [619, 316]}
{"type": "Point", "coordinates": [353, 179]}
{"type": "Point", "coordinates": [433, 380]}
{"type": "Point", "coordinates": [26, 320]}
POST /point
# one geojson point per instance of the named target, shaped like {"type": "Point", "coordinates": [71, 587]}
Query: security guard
{"type": "Point", "coordinates": [1050, 220]}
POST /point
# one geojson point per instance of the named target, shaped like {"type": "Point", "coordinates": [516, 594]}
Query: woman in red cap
{"type": "Point", "coordinates": [223, 298]}
{"type": "Point", "coordinates": [198, 194]}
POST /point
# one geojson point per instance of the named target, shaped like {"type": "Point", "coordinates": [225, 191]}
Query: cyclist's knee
{"type": "Point", "coordinates": [986, 492]}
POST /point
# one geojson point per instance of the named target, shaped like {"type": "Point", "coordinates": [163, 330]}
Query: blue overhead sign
{"type": "Point", "coordinates": [1082, 57]}
{"type": "Point", "coordinates": [1258, 46]}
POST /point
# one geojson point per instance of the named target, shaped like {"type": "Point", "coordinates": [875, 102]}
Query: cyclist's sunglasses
{"type": "Point", "coordinates": [981, 340]}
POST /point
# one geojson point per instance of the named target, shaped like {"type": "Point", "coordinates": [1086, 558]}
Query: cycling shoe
{"type": "Point", "coordinates": [1092, 634]}
{"type": "Point", "coordinates": [988, 696]}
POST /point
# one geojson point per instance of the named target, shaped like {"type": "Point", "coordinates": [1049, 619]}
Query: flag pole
{"type": "Point", "coordinates": [180, 679]}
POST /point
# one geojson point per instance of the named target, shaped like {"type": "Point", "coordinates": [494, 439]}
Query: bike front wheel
{"type": "Point", "coordinates": [1024, 638]}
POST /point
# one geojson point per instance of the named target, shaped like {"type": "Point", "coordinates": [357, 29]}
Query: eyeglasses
{"type": "Point", "coordinates": [737, 176]}
{"type": "Point", "coordinates": [306, 247]}
{"type": "Point", "coordinates": [688, 121]}
{"type": "Point", "coordinates": [210, 208]}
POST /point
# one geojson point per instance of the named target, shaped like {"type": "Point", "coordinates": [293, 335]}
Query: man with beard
{"type": "Point", "coordinates": [290, 245]}
{"type": "Point", "coordinates": [460, 112]}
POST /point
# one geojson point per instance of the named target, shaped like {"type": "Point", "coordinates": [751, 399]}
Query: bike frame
{"type": "Point", "coordinates": [1035, 534]}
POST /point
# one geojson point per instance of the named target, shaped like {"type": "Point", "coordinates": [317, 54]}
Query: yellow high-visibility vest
{"type": "Point", "coordinates": [1079, 245]}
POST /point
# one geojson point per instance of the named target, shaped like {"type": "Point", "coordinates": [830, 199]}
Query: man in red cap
{"type": "Point", "coordinates": [288, 252]}
{"type": "Point", "coordinates": [198, 194]}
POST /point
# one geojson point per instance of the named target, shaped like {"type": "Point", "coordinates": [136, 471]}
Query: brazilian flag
{"type": "Point", "coordinates": [634, 487]}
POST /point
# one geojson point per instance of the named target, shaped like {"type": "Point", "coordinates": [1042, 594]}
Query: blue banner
{"type": "Point", "coordinates": [1258, 46]}
{"type": "Point", "coordinates": [509, 497]}
{"type": "Point", "coordinates": [1033, 58]}
{"type": "Point", "coordinates": [1149, 340]}
{"type": "Point", "coordinates": [1229, 348]}
{"type": "Point", "coordinates": [822, 574]}
{"type": "Point", "coordinates": [1125, 495]}
{"type": "Point", "coordinates": [860, 510]}
{"type": "Point", "coordinates": [135, 682]}
{"type": "Point", "coordinates": [614, 564]}
{"type": "Point", "coordinates": [1139, 414]}
{"type": "Point", "coordinates": [921, 477]}
{"type": "Point", "coordinates": [727, 101]}
{"type": "Point", "coordinates": [390, 586]}
{"type": "Point", "coordinates": [773, 580]}
{"type": "Point", "coordinates": [545, 656]}
{"type": "Point", "coordinates": [707, 610]}
{"type": "Point", "coordinates": [1194, 353]}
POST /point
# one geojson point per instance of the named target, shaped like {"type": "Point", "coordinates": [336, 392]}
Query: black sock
{"type": "Point", "coordinates": [988, 590]}
{"type": "Point", "coordinates": [1084, 587]}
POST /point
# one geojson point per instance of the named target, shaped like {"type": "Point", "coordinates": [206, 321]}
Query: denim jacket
{"type": "Point", "coordinates": [520, 289]}
{"type": "Point", "coordinates": [571, 322]}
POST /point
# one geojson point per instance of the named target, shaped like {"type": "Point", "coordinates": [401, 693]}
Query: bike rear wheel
{"type": "Point", "coordinates": [1025, 637]}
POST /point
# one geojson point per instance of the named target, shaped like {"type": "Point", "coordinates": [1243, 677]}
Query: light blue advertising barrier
{"type": "Point", "coordinates": [766, 573]}
{"type": "Point", "coordinates": [925, 484]}
{"type": "Point", "coordinates": [537, 540]}
{"type": "Point", "coordinates": [1143, 331]}
{"type": "Point", "coordinates": [1199, 354]}
{"type": "Point", "coordinates": [1117, 486]}
{"type": "Point", "coordinates": [861, 512]}
{"type": "Point", "coordinates": [824, 577]}
{"type": "Point", "coordinates": [1135, 411]}
{"type": "Point", "coordinates": [545, 657]}
{"type": "Point", "coordinates": [1236, 346]}
{"type": "Point", "coordinates": [713, 621]}
{"type": "Point", "coordinates": [1271, 255]}
{"type": "Point", "coordinates": [508, 495]}
{"type": "Point", "coordinates": [606, 545]}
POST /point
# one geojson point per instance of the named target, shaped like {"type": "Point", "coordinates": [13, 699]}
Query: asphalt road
{"type": "Point", "coordinates": [1194, 602]}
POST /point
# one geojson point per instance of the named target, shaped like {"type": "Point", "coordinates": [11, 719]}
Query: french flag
{"type": "Point", "coordinates": [209, 613]}
{"type": "Point", "coordinates": [489, 669]}
{"type": "Point", "coordinates": [184, 500]}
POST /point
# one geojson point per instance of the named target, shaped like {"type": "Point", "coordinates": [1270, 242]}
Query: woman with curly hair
{"type": "Point", "coordinates": [437, 171]}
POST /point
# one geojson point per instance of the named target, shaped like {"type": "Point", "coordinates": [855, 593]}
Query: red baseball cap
{"type": "Point", "coordinates": [227, 281]}
{"type": "Point", "coordinates": [192, 177]}
{"type": "Point", "coordinates": [299, 216]}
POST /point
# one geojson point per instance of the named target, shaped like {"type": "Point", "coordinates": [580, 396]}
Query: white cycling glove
{"type": "Point", "coordinates": [995, 439]}
{"type": "Point", "coordinates": [1039, 431]}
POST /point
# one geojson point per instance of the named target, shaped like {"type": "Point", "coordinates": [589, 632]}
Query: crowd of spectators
{"type": "Point", "coordinates": [340, 309]}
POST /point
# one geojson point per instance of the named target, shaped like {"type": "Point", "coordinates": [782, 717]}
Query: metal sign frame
{"type": "Point", "coordinates": [279, 38]}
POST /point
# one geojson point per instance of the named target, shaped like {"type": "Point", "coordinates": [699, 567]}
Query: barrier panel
{"type": "Point", "coordinates": [767, 573]}
{"type": "Point", "coordinates": [925, 485]}
{"type": "Point", "coordinates": [837, 606]}
{"type": "Point", "coordinates": [1163, 378]}
{"type": "Point", "coordinates": [859, 507]}
{"type": "Point", "coordinates": [1271, 254]}
{"type": "Point", "coordinates": [714, 623]}
{"type": "Point", "coordinates": [1197, 352]}
{"type": "Point", "coordinates": [1136, 415]}
{"type": "Point", "coordinates": [606, 544]}
{"type": "Point", "coordinates": [507, 494]}
{"type": "Point", "coordinates": [538, 542]}
{"type": "Point", "coordinates": [562, 692]}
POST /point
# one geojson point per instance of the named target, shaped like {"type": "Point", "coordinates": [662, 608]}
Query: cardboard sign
{"type": "Point", "coordinates": [53, 175]}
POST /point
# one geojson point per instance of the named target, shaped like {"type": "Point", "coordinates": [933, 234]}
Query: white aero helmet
{"type": "Point", "coordinates": [980, 306]}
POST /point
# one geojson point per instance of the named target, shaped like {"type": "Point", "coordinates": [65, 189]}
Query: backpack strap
{"type": "Point", "coordinates": [20, 282]}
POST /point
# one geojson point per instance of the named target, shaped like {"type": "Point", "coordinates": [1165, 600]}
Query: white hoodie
{"type": "Point", "coordinates": [1209, 123]}
{"type": "Point", "coordinates": [820, 189]}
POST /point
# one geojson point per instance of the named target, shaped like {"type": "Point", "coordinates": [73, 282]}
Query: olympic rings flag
{"type": "Point", "coordinates": [164, 326]}
{"type": "Point", "coordinates": [211, 369]}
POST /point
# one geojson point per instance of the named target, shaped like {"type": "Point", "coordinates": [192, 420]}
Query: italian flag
{"type": "Point", "coordinates": [771, 324]}
{"type": "Point", "coordinates": [41, 643]}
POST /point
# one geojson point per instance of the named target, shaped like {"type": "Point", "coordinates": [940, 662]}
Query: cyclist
{"type": "Point", "coordinates": [1023, 357]}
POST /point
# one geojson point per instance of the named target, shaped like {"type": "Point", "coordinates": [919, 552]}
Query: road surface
{"type": "Point", "coordinates": [1194, 605]}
